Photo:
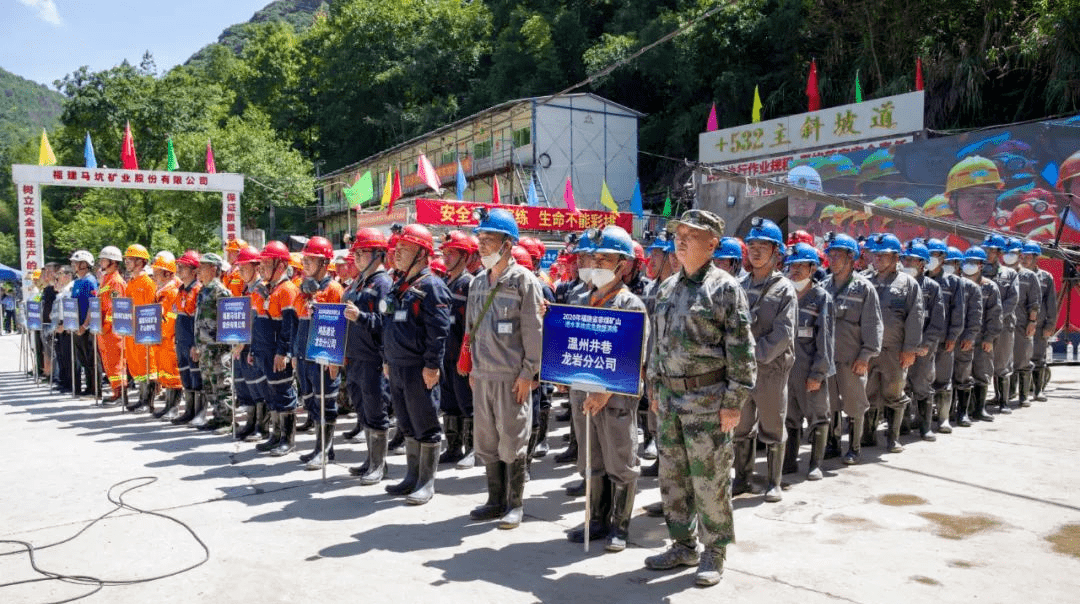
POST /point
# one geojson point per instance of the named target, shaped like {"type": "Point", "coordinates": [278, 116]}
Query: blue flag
{"type": "Point", "coordinates": [635, 201]}
{"type": "Point", "coordinates": [531, 198]}
{"type": "Point", "coordinates": [88, 153]}
{"type": "Point", "coordinates": [461, 184]}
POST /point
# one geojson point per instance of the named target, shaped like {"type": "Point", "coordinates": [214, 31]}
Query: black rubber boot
{"type": "Point", "coordinates": [452, 427]}
{"type": "Point", "coordinates": [468, 459]}
{"type": "Point", "coordinates": [425, 482]}
{"type": "Point", "coordinates": [600, 500]}
{"type": "Point", "coordinates": [412, 469]}
{"type": "Point", "coordinates": [791, 450]}
{"type": "Point", "coordinates": [265, 419]}
{"type": "Point", "coordinates": [170, 404]}
{"type": "Point", "coordinates": [495, 507]}
{"type": "Point", "coordinates": [139, 403]}
{"type": "Point", "coordinates": [943, 400]}
{"type": "Point", "coordinates": [1024, 379]}
{"type": "Point", "coordinates": [325, 453]}
{"type": "Point", "coordinates": [622, 508]}
{"type": "Point", "coordinates": [1013, 379]}
{"type": "Point", "coordinates": [1001, 395]}
{"type": "Point", "coordinates": [870, 422]}
{"type": "Point", "coordinates": [570, 455]}
{"type": "Point", "coordinates": [978, 404]}
{"type": "Point", "coordinates": [855, 429]}
{"type": "Point", "coordinates": [1037, 383]}
{"type": "Point", "coordinates": [963, 403]}
{"type": "Point", "coordinates": [306, 457]}
{"type": "Point", "coordinates": [775, 455]}
{"type": "Point", "coordinates": [893, 419]}
{"type": "Point", "coordinates": [275, 433]}
{"type": "Point", "coordinates": [308, 425]}
{"type": "Point", "coordinates": [376, 470]}
{"type": "Point", "coordinates": [926, 418]}
{"type": "Point", "coordinates": [251, 424]}
{"type": "Point", "coordinates": [835, 429]}
{"type": "Point", "coordinates": [394, 447]}
{"type": "Point", "coordinates": [576, 490]}
{"type": "Point", "coordinates": [515, 495]}
{"type": "Point", "coordinates": [286, 444]}
{"type": "Point", "coordinates": [200, 411]}
{"type": "Point", "coordinates": [652, 470]}
{"type": "Point", "coordinates": [744, 467]}
{"type": "Point", "coordinates": [357, 435]}
{"type": "Point", "coordinates": [541, 449]}
{"type": "Point", "coordinates": [818, 437]}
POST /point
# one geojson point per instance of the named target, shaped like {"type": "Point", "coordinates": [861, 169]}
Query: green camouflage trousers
{"type": "Point", "coordinates": [695, 478]}
{"type": "Point", "coordinates": [215, 363]}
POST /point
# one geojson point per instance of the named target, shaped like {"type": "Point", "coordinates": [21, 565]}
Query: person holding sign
{"type": "Point", "coordinates": [317, 288]}
{"type": "Point", "coordinates": [214, 359]}
{"type": "Point", "coordinates": [271, 346]}
{"type": "Point", "coordinates": [110, 345]}
{"type": "Point", "coordinates": [83, 288]}
{"type": "Point", "coordinates": [364, 355]}
{"type": "Point", "coordinates": [140, 359]}
{"type": "Point", "coordinates": [416, 324]}
{"type": "Point", "coordinates": [186, 302]}
{"type": "Point", "coordinates": [614, 424]}
{"type": "Point", "coordinates": [702, 369]}
{"type": "Point", "coordinates": [168, 372]}
{"type": "Point", "coordinates": [62, 344]}
{"type": "Point", "coordinates": [504, 331]}
{"type": "Point", "coordinates": [249, 384]}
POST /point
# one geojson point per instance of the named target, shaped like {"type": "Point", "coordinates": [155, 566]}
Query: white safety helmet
{"type": "Point", "coordinates": [111, 252]}
{"type": "Point", "coordinates": [82, 256]}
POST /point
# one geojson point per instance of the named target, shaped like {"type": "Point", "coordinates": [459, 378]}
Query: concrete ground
{"type": "Point", "coordinates": [988, 514]}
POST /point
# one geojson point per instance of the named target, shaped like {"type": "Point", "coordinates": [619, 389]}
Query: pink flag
{"type": "Point", "coordinates": [568, 197]}
{"type": "Point", "coordinates": [427, 174]}
{"type": "Point", "coordinates": [495, 197]}
{"type": "Point", "coordinates": [712, 125]}
{"type": "Point", "coordinates": [210, 167]}
{"type": "Point", "coordinates": [128, 159]}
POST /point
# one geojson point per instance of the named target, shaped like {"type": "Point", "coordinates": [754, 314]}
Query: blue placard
{"type": "Point", "coordinates": [234, 320]}
{"type": "Point", "coordinates": [33, 315]}
{"type": "Point", "coordinates": [95, 315]}
{"type": "Point", "coordinates": [148, 324]}
{"type": "Point", "coordinates": [550, 256]}
{"type": "Point", "coordinates": [328, 334]}
{"type": "Point", "coordinates": [70, 314]}
{"type": "Point", "coordinates": [123, 321]}
{"type": "Point", "coordinates": [599, 348]}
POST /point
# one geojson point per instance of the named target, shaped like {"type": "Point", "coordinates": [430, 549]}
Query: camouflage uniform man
{"type": "Point", "coordinates": [902, 316]}
{"type": "Point", "coordinates": [982, 365]}
{"type": "Point", "coordinates": [214, 359]}
{"type": "Point", "coordinates": [965, 350]}
{"type": "Point", "coordinates": [702, 370]}
{"type": "Point", "coordinates": [921, 375]}
{"type": "Point", "coordinates": [952, 300]}
{"type": "Point", "coordinates": [1026, 317]}
{"type": "Point", "coordinates": [774, 307]}
{"type": "Point", "coordinates": [1044, 327]}
{"type": "Point", "coordinates": [1008, 282]}
{"type": "Point", "coordinates": [857, 339]}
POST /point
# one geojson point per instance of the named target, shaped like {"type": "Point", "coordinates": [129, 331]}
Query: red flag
{"type": "Point", "coordinates": [210, 167]}
{"type": "Point", "coordinates": [495, 197]}
{"type": "Point", "coordinates": [395, 191]}
{"type": "Point", "coordinates": [427, 173]}
{"type": "Point", "coordinates": [812, 94]}
{"type": "Point", "coordinates": [127, 155]}
{"type": "Point", "coordinates": [711, 124]}
{"type": "Point", "coordinates": [918, 74]}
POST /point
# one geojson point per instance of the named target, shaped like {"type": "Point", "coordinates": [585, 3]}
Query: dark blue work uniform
{"type": "Point", "coordinates": [363, 371]}
{"type": "Point", "coordinates": [456, 396]}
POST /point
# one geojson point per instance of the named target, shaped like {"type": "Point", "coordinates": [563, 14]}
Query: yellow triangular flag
{"type": "Point", "coordinates": [46, 157]}
{"type": "Point", "coordinates": [756, 116]}
{"type": "Point", "coordinates": [387, 190]}
{"type": "Point", "coordinates": [606, 199]}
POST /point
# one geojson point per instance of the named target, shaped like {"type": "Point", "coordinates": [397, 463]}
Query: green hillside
{"type": "Point", "coordinates": [25, 108]}
{"type": "Point", "coordinates": [298, 13]}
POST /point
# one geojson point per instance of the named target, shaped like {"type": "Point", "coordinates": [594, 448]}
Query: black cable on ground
{"type": "Point", "coordinates": [99, 583]}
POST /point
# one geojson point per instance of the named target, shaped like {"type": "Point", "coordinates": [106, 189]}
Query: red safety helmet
{"type": "Point", "coordinates": [247, 255]}
{"type": "Point", "coordinates": [457, 240]}
{"type": "Point", "coordinates": [438, 267]}
{"type": "Point", "coordinates": [319, 247]}
{"type": "Point", "coordinates": [522, 256]}
{"type": "Point", "coordinates": [533, 246]}
{"type": "Point", "coordinates": [418, 235]}
{"type": "Point", "coordinates": [369, 239]}
{"type": "Point", "coordinates": [800, 236]}
{"type": "Point", "coordinates": [190, 258]}
{"type": "Point", "coordinates": [275, 250]}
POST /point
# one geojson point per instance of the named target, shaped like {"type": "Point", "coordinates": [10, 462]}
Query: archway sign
{"type": "Point", "coordinates": [29, 179]}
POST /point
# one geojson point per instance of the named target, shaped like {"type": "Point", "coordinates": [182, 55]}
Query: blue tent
{"type": "Point", "coordinates": [9, 274]}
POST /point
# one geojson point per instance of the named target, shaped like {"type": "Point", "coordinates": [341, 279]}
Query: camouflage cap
{"type": "Point", "coordinates": [702, 220]}
{"type": "Point", "coordinates": [212, 258]}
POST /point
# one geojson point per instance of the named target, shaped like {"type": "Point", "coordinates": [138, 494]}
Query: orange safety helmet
{"type": "Point", "coordinates": [137, 251]}
{"type": "Point", "coordinates": [235, 245]}
{"type": "Point", "coordinates": [165, 261]}
{"type": "Point", "coordinates": [275, 250]}
{"type": "Point", "coordinates": [369, 239]}
{"type": "Point", "coordinates": [294, 261]}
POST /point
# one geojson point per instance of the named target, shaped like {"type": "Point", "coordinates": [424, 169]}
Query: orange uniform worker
{"type": "Point", "coordinates": [140, 359]}
{"type": "Point", "coordinates": [231, 279]}
{"type": "Point", "coordinates": [184, 306]}
{"type": "Point", "coordinates": [168, 373]}
{"type": "Point", "coordinates": [110, 345]}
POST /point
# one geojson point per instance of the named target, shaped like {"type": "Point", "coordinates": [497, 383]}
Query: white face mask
{"type": "Point", "coordinates": [948, 269]}
{"type": "Point", "coordinates": [801, 284]}
{"type": "Point", "coordinates": [490, 260]}
{"type": "Point", "coordinates": [1011, 258]}
{"type": "Point", "coordinates": [602, 277]}
{"type": "Point", "coordinates": [970, 269]}
{"type": "Point", "coordinates": [585, 274]}
{"type": "Point", "coordinates": [909, 270]}
{"type": "Point", "coordinates": [935, 262]}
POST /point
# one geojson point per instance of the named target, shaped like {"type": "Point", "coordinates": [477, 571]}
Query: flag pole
{"type": "Point", "coordinates": [588, 474]}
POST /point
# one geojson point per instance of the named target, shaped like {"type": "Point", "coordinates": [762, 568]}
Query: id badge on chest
{"type": "Point", "coordinates": [504, 328]}
{"type": "Point", "coordinates": [806, 332]}
{"type": "Point", "coordinates": [400, 316]}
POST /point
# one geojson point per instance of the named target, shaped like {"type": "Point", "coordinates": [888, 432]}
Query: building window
{"type": "Point", "coordinates": [522, 137]}
{"type": "Point", "coordinates": [482, 150]}
{"type": "Point", "coordinates": [447, 158]}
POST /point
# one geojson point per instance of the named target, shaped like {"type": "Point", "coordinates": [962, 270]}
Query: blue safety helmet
{"type": "Point", "coordinates": [887, 242]}
{"type": "Point", "coordinates": [613, 240]}
{"type": "Point", "coordinates": [915, 249]}
{"type": "Point", "coordinates": [1032, 247]}
{"type": "Point", "coordinates": [802, 252]}
{"type": "Point", "coordinates": [496, 220]}
{"type": "Point", "coordinates": [662, 242]}
{"type": "Point", "coordinates": [841, 241]}
{"type": "Point", "coordinates": [994, 241]}
{"type": "Point", "coordinates": [953, 254]}
{"type": "Point", "coordinates": [870, 244]}
{"type": "Point", "coordinates": [729, 249]}
{"type": "Point", "coordinates": [975, 254]}
{"type": "Point", "coordinates": [936, 246]}
{"type": "Point", "coordinates": [763, 229]}
{"type": "Point", "coordinates": [585, 243]}
{"type": "Point", "coordinates": [1013, 244]}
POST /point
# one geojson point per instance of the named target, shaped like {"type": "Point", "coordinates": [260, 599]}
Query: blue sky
{"type": "Point", "coordinates": [43, 40]}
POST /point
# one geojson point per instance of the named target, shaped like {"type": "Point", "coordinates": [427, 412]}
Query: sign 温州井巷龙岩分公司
{"type": "Point", "coordinates": [593, 348]}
